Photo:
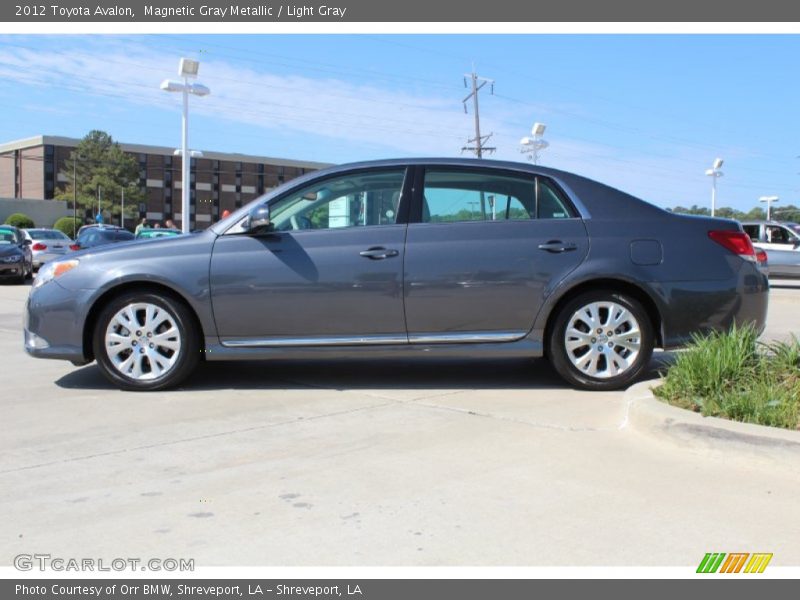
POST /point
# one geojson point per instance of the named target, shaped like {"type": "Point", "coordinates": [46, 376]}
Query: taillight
{"type": "Point", "coordinates": [737, 242]}
{"type": "Point", "coordinates": [74, 246]}
{"type": "Point", "coordinates": [761, 256]}
{"type": "Point", "coordinates": [39, 246]}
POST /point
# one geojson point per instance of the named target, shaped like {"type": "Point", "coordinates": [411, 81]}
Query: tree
{"type": "Point", "coordinates": [99, 163]}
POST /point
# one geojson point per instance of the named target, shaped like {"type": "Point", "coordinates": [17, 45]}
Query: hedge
{"type": "Point", "coordinates": [20, 220]}
{"type": "Point", "coordinates": [67, 226]}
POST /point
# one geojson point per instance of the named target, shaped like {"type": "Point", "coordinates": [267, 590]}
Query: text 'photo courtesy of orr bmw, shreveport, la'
{"type": "Point", "coordinates": [398, 258]}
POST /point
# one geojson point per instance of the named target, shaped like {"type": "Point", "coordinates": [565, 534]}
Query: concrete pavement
{"type": "Point", "coordinates": [470, 463]}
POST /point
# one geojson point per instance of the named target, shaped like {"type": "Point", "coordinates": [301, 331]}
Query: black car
{"type": "Point", "coordinates": [100, 236]}
{"type": "Point", "coordinates": [16, 258]}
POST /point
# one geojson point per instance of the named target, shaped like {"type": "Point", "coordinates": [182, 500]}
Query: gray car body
{"type": "Point", "coordinates": [296, 294]}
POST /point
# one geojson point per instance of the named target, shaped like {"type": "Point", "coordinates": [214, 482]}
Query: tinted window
{"type": "Point", "coordinates": [124, 236]}
{"type": "Point", "coordinates": [751, 231]}
{"type": "Point", "coordinates": [355, 200]}
{"type": "Point", "coordinates": [7, 236]}
{"type": "Point", "coordinates": [457, 195]}
{"type": "Point", "coordinates": [46, 234]}
{"type": "Point", "coordinates": [779, 235]}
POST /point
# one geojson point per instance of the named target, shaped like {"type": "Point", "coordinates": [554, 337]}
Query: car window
{"type": "Point", "coordinates": [45, 234]}
{"type": "Point", "coordinates": [123, 236]}
{"type": "Point", "coordinates": [7, 236]}
{"type": "Point", "coordinates": [751, 231]}
{"type": "Point", "coordinates": [353, 200]}
{"type": "Point", "coordinates": [452, 195]}
{"type": "Point", "coordinates": [779, 235]}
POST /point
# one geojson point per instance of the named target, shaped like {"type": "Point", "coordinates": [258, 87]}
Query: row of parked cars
{"type": "Point", "coordinates": [23, 251]}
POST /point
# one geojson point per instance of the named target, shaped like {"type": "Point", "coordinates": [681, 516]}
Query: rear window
{"type": "Point", "coordinates": [751, 231]}
{"type": "Point", "coordinates": [46, 234]}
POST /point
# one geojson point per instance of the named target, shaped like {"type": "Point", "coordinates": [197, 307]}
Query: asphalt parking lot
{"type": "Point", "coordinates": [368, 464]}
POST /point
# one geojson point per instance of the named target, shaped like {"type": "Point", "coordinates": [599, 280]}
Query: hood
{"type": "Point", "coordinates": [9, 250]}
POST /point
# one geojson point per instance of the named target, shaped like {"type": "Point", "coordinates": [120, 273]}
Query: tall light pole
{"type": "Point", "coordinates": [533, 145]}
{"type": "Point", "coordinates": [769, 200]}
{"type": "Point", "coordinates": [187, 69]}
{"type": "Point", "coordinates": [715, 173]}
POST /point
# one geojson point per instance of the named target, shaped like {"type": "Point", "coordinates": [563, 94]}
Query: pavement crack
{"type": "Point", "coordinates": [198, 438]}
{"type": "Point", "coordinates": [486, 415]}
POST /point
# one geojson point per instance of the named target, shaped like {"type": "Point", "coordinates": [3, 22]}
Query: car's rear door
{"type": "Point", "coordinates": [486, 248]}
{"type": "Point", "coordinates": [330, 273]}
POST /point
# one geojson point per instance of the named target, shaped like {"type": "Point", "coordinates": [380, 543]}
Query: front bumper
{"type": "Point", "coordinates": [12, 269]}
{"type": "Point", "coordinates": [54, 322]}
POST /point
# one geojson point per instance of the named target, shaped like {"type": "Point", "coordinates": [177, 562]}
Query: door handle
{"type": "Point", "coordinates": [555, 246]}
{"type": "Point", "coordinates": [378, 253]}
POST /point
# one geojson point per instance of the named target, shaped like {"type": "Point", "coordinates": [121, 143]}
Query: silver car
{"type": "Point", "coordinates": [46, 244]}
{"type": "Point", "coordinates": [406, 258]}
{"type": "Point", "coordinates": [781, 242]}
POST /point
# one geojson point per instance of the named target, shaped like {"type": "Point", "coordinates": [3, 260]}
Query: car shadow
{"type": "Point", "coordinates": [423, 373]}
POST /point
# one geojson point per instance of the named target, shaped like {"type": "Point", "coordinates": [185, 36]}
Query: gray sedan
{"type": "Point", "coordinates": [399, 258]}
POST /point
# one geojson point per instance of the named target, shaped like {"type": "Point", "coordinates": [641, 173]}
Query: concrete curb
{"type": "Point", "coordinates": [688, 429]}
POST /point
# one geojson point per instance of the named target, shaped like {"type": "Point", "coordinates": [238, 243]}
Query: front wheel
{"type": "Point", "coordinates": [146, 341]}
{"type": "Point", "coordinates": [601, 340]}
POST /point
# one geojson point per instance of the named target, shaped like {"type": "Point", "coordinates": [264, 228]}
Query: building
{"type": "Point", "coordinates": [32, 169]}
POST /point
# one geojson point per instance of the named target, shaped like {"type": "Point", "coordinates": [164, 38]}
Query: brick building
{"type": "Point", "coordinates": [31, 169]}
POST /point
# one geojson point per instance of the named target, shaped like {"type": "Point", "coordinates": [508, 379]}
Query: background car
{"type": "Point", "coordinates": [156, 232]}
{"type": "Point", "coordinates": [16, 260]}
{"type": "Point", "coordinates": [90, 237]}
{"type": "Point", "coordinates": [782, 244]}
{"type": "Point", "coordinates": [46, 244]}
{"type": "Point", "coordinates": [407, 258]}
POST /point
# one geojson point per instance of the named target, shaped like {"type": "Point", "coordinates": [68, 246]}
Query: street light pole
{"type": "Point", "coordinates": [715, 173]}
{"type": "Point", "coordinates": [74, 196]}
{"type": "Point", "coordinates": [769, 200]}
{"type": "Point", "coordinates": [187, 69]}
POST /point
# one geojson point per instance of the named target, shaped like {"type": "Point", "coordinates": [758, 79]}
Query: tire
{"type": "Point", "coordinates": [596, 361]}
{"type": "Point", "coordinates": [145, 341]}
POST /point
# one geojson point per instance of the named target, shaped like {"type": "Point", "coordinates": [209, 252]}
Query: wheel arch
{"type": "Point", "coordinates": [611, 284]}
{"type": "Point", "coordinates": [133, 286]}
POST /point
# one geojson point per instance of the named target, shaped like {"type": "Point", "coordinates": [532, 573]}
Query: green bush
{"type": "Point", "coordinates": [19, 220]}
{"type": "Point", "coordinates": [733, 376]}
{"type": "Point", "coordinates": [68, 226]}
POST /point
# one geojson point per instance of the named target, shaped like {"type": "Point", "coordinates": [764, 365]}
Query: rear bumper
{"type": "Point", "coordinates": [698, 307]}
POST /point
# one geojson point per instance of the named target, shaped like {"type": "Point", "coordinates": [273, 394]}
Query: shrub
{"type": "Point", "coordinates": [733, 376]}
{"type": "Point", "coordinates": [19, 220]}
{"type": "Point", "coordinates": [68, 226]}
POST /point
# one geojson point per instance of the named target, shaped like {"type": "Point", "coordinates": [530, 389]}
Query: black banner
{"type": "Point", "coordinates": [440, 11]}
{"type": "Point", "coordinates": [376, 589]}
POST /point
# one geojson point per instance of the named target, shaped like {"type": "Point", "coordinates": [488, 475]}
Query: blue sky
{"type": "Point", "coordinates": [645, 113]}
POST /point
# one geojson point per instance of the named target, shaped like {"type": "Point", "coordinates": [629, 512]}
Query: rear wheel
{"type": "Point", "coordinates": [601, 340]}
{"type": "Point", "coordinates": [146, 341]}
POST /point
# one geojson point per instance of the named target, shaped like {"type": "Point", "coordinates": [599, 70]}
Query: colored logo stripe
{"type": "Point", "coordinates": [713, 562]}
{"type": "Point", "coordinates": [758, 563]}
{"type": "Point", "coordinates": [734, 562]}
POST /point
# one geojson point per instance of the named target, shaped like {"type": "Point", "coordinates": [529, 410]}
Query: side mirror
{"type": "Point", "coordinates": [27, 242]}
{"type": "Point", "coordinates": [258, 220]}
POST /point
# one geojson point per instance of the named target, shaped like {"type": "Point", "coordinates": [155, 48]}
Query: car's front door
{"type": "Point", "coordinates": [486, 249]}
{"type": "Point", "coordinates": [329, 272]}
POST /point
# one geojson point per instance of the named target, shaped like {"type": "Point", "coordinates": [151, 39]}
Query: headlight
{"type": "Point", "coordinates": [54, 270]}
{"type": "Point", "coordinates": [12, 259]}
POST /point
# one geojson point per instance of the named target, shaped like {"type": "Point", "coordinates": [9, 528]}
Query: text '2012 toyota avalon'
{"type": "Point", "coordinates": [428, 257]}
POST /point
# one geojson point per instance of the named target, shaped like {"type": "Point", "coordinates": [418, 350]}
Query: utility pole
{"type": "Point", "coordinates": [477, 83]}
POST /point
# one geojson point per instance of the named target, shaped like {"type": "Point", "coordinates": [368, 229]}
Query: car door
{"type": "Point", "coordinates": [329, 271]}
{"type": "Point", "coordinates": [487, 247]}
